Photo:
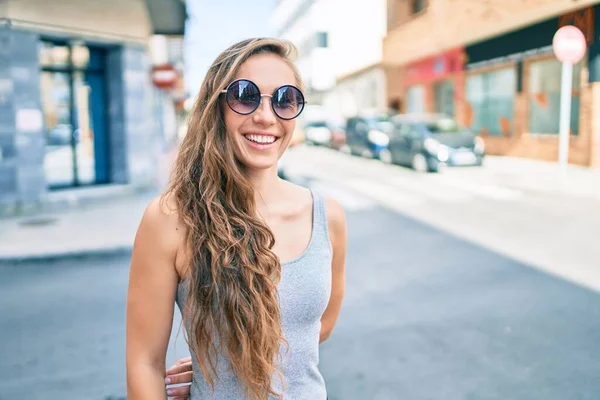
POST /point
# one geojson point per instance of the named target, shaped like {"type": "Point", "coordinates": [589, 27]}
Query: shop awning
{"type": "Point", "coordinates": [167, 16]}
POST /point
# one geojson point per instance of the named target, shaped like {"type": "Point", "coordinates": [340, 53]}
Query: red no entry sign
{"type": "Point", "coordinates": [569, 44]}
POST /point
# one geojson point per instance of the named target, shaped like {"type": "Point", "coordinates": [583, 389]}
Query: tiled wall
{"type": "Point", "coordinates": [21, 166]}
{"type": "Point", "coordinates": [132, 132]}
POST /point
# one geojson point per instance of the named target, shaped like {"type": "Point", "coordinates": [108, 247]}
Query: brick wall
{"type": "Point", "coordinates": [521, 143]}
{"type": "Point", "coordinates": [448, 24]}
{"type": "Point", "coordinates": [395, 84]}
{"type": "Point", "coordinates": [594, 138]}
{"type": "Point", "coordinates": [452, 23]}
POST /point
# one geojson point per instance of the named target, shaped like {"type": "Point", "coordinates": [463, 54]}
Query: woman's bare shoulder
{"type": "Point", "coordinates": [336, 223]}
{"type": "Point", "coordinates": [335, 213]}
{"type": "Point", "coordinates": [161, 221]}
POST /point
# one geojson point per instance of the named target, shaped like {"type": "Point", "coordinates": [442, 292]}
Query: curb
{"type": "Point", "coordinates": [72, 255]}
{"type": "Point", "coordinates": [73, 199]}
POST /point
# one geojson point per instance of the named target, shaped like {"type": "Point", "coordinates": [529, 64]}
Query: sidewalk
{"type": "Point", "coordinates": [89, 230]}
{"type": "Point", "coordinates": [541, 177]}
{"type": "Point", "coordinates": [80, 222]}
{"type": "Point", "coordinates": [109, 227]}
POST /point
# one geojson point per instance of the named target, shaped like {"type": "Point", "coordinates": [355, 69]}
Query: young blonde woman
{"type": "Point", "coordinates": [255, 263]}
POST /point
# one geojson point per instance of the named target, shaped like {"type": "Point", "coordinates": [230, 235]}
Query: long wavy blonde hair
{"type": "Point", "coordinates": [232, 303]}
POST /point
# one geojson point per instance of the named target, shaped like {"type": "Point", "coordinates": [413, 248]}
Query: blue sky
{"type": "Point", "coordinates": [214, 25]}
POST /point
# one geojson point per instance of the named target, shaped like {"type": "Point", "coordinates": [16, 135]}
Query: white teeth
{"type": "Point", "coordinates": [262, 139]}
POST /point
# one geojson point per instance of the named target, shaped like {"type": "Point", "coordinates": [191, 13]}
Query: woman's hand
{"type": "Point", "coordinates": [179, 373]}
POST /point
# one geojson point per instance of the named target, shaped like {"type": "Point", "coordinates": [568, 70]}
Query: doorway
{"type": "Point", "coordinates": [73, 90]}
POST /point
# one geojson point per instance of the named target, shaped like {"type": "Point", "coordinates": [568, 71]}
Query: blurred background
{"type": "Point", "coordinates": [473, 268]}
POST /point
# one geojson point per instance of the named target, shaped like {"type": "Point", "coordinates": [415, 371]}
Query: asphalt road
{"type": "Point", "coordinates": [522, 211]}
{"type": "Point", "coordinates": [427, 315]}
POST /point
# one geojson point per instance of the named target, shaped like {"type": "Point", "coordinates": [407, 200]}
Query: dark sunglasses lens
{"type": "Point", "coordinates": [288, 102]}
{"type": "Point", "coordinates": [243, 97]}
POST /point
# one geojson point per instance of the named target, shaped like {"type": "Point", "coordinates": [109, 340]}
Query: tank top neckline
{"type": "Point", "coordinates": [310, 245]}
{"type": "Point", "coordinates": [312, 232]}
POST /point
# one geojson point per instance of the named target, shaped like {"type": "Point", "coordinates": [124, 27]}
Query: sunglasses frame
{"type": "Point", "coordinates": [224, 91]}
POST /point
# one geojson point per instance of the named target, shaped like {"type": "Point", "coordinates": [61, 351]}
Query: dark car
{"type": "Point", "coordinates": [432, 142]}
{"type": "Point", "coordinates": [368, 136]}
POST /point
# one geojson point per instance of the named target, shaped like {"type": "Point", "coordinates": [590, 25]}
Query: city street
{"type": "Point", "coordinates": [528, 214]}
{"type": "Point", "coordinates": [460, 286]}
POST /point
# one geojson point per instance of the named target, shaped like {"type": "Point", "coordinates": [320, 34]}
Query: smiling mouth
{"type": "Point", "coordinates": [261, 139]}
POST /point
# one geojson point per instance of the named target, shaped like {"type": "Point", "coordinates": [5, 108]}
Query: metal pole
{"type": "Point", "coordinates": [565, 115]}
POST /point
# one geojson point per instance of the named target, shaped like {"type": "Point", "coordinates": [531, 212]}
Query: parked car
{"type": "Point", "coordinates": [431, 142]}
{"type": "Point", "coordinates": [368, 135]}
{"type": "Point", "coordinates": [338, 135]}
{"type": "Point", "coordinates": [317, 132]}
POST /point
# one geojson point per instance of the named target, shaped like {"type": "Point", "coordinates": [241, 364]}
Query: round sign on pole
{"type": "Point", "coordinates": [164, 76]}
{"type": "Point", "coordinates": [569, 44]}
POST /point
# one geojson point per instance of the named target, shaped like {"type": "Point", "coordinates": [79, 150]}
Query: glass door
{"type": "Point", "coordinates": [85, 167]}
{"type": "Point", "coordinates": [74, 104]}
{"type": "Point", "coordinates": [59, 161]}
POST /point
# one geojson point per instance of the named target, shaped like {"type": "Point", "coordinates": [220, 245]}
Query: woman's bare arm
{"type": "Point", "coordinates": [336, 222]}
{"type": "Point", "coordinates": [150, 302]}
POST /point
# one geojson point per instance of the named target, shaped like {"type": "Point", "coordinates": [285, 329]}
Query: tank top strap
{"type": "Point", "coordinates": [320, 227]}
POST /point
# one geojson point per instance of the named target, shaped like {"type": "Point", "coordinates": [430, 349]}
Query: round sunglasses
{"type": "Point", "coordinates": [243, 96]}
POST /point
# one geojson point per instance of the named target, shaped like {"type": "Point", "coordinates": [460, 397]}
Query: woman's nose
{"type": "Point", "coordinates": [264, 113]}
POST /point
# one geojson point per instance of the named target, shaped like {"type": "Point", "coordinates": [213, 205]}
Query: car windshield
{"type": "Point", "coordinates": [443, 125]}
{"type": "Point", "coordinates": [316, 124]}
{"type": "Point", "coordinates": [382, 124]}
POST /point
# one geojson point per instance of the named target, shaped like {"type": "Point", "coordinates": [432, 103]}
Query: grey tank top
{"type": "Point", "coordinates": [304, 291]}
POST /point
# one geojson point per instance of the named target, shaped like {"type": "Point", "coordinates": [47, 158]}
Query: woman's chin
{"type": "Point", "coordinates": [256, 164]}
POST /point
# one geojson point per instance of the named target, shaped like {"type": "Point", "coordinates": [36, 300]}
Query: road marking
{"type": "Point", "coordinates": [348, 199]}
{"type": "Point", "coordinates": [485, 190]}
{"type": "Point", "coordinates": [383, 192]}
{"type": "Point", "coordinates": [435, 192]}
{"type": "Point", "coordinates": [414, 188]}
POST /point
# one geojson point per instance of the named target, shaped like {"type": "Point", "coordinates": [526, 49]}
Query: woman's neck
{"type": "Point", "coordinates": [266, 185]}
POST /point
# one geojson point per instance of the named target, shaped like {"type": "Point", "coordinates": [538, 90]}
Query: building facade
{"type": "Point", "coordinates": [355, 43]}
{"type": "Point", "coordinates": [491, 65]}
{"type": "Point", "coordinates": [76, 94]}
{"type": "Point", "coordinates": [339, 58]}
{"type": "Point", "coordinates": [305, 23]}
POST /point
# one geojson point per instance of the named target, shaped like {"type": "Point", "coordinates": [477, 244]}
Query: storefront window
{"type": "Point", "coordinates": [544, 97]}
{"type": "Point", "coordinates": [415, 99]}
{"type": "Point", "coordinates": [491, 99]}
{"type": "Point", "coordinates": [444, 98]}
{"type": "Point", "coordinates": [51, 55]}
{"type": "Point", "coordinates": [74, 105]}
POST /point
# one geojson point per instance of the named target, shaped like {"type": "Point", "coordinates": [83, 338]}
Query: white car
{"type": "Point", "coordinates": [317, 133]}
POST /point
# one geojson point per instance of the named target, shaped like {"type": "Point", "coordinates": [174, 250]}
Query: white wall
{"type": "Point", "coordinates": [356, 35]}
{"type": "Point", "coordinates": [356, 29]}
{"type": "Point", "coordinates": [315, 65]}
{"type": "Point", "coordinates": [360, 92]}
{"type": "Point", "coordinates": [281, 13]}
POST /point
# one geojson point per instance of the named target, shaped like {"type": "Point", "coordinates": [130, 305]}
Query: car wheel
{"type": "Point", "coordinates": [419, 163]}
{"type": "Point", "coordinates": [440, 168]}
{"type": "Point", "coordinates": [367, 154]}
{"type": "Point", "coordinates": [385, 156]}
